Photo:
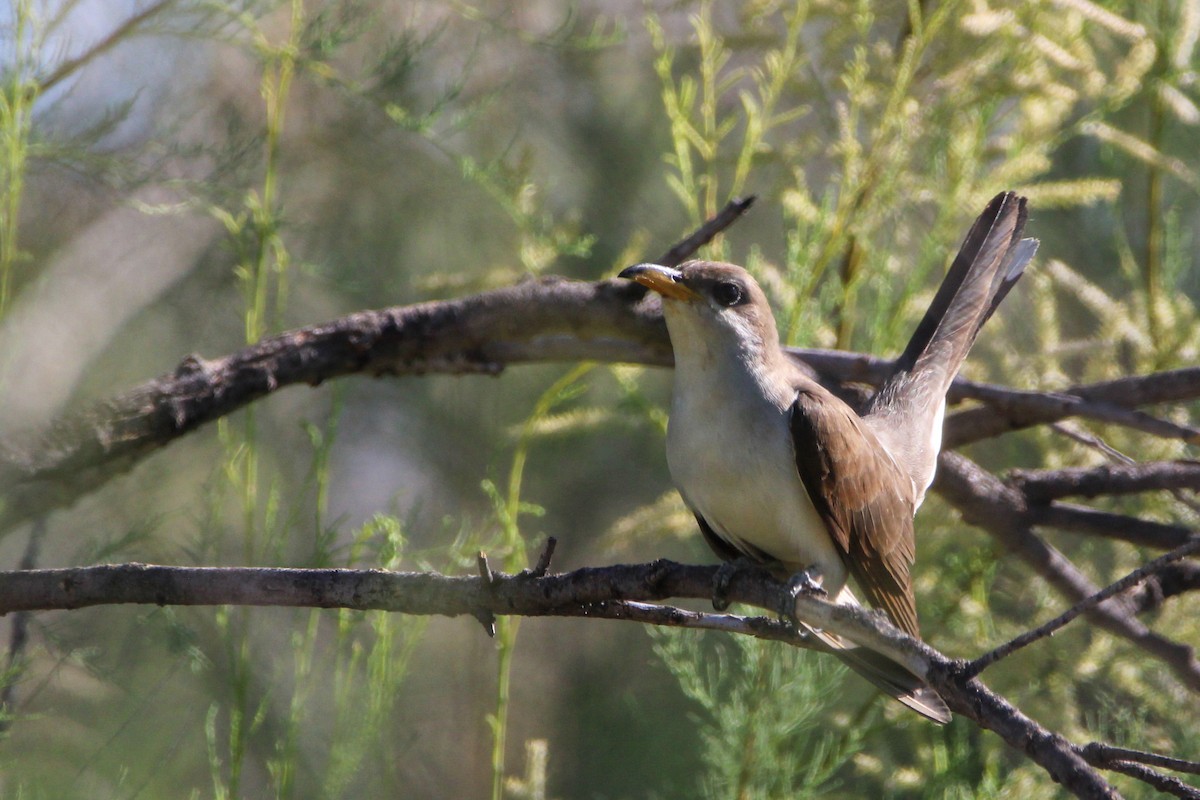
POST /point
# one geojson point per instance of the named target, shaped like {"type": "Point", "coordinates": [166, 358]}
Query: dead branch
{"type": "Point", "coordinates": [1093, 522]}
{"type": "Point", "coordinates": [1024, 410]}
{"type": "Point", "coordinates": [617, 592]}
{"type": "Point", "coordinates": [1041, 486]}
{"type": "Point", "coordinates": [987, 503]}
{"type": "Point", "coordinates": [1042, 631]}
{"type": "Point", "coordinates": [549, 319]}
{"type": "Point", "coordinates": [1166, 582]}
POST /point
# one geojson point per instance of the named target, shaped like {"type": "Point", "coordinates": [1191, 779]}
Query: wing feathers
{"type": "Point", "coordinates": [861, 496]}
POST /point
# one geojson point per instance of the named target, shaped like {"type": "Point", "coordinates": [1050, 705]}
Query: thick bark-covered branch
{"type": "Point", "coordinates": [618, 592]}
{"type": "Point", "coordinates": [1041, 486]}
{"type": "Point", "coordinates": [1093, 522]}
{"type": "Point", "coordinates": [543, 320]}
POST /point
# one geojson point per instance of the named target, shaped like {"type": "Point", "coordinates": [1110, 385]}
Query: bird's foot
{"type": "Point", "coordinates": [806, 581]}
{"type": "Point", "coordinates": [724, 579]}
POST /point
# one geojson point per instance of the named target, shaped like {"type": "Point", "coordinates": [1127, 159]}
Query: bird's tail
{"type": "Point", "coordinates": [988, 264]}
{"type": "Point", "coordinates": [912, 401]}
{"type": "Point", "coordinates": [890, 677]}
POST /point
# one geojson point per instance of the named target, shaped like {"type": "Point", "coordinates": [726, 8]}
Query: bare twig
{"type": "Point", "coordinates": [1113, 589]}
{"type": "Point", "coordinates": [119, 34]}
{"type": "Point", "coordinates": [1154, 778]}
{"type": "Point", "coordinates": [484, 614]}
{"type": "Point", "coordinates": [1091, 440]}
{"type": "Point", "coordinates": [1102, 754]}
{"type": "Point", "coordinates": [728, 215]}
{"type": "Point", "coordinates": [543, 563]}
{"type": "Point", "coordinates": [19, 636]}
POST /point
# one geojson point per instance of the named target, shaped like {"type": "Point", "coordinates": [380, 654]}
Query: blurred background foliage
{"type": "Point", "coordinates": [189, 175]}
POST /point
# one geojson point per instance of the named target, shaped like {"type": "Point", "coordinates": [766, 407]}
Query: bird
{"type": "Point", "coordinates": [779, 471]}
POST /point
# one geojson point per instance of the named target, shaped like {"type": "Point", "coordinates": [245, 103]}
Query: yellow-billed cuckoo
{"type": "Point", "coordinates": [778, 470]}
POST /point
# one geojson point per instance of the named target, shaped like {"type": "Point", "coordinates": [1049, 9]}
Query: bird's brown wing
{"type": "Point", "coordinates": [863, 497]}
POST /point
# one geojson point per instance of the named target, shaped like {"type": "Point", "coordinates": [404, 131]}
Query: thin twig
{"type": "Point", "coordinates": [1042, 631]}
{"type": "Point", "coordinates": [1089, 439]}
{"type": "Point", "coordinates": [687, 247]}
{"type": "Point", "coordinates": [19, 636]}
{"type": "Point", "coordinates": [543, 563]}
{"type": "Point", "coordinates": [119, 34]}
{"type": "Point", "coordinates": [1163, 783]}
{"type": "Point", "coordinates": [484, 614]}
{"type": "Point", "coordinates": [1101, 754]}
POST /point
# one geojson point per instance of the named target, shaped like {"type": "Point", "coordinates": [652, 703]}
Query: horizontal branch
{"type": "Point", "coordinates": [543, 320]}
{"type": "Point", "coordinates": [617, 592]}
{"type": "Point", "coordinates": [1013, 410]}
{"type": "Point", "coordinates": [1093, 522]}
{"type": "Point", "coordinates": [1041, 486]}
{"type": "Point", "coordinates": [1101, 754]}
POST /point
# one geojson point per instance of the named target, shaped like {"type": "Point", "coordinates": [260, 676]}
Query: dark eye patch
{"type": "Point", "coordinates": [728, 293]}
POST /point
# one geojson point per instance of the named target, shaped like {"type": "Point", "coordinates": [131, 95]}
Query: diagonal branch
{"type": "Point", "coordinates": [1128, 582]}
{"type": "Point", "coordinates": [544, 320]}
{"type": "Point", "coordinates": [984, 501]}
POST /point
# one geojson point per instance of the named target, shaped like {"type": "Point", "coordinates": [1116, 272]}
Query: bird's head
{"type": "Point", "coordinates": [711, 307]}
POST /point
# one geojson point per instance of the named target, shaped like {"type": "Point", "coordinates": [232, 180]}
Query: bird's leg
{"type": "Point", "coordinates": [806, 581]}
{"type": "Point", "coordinates": [723, 579]}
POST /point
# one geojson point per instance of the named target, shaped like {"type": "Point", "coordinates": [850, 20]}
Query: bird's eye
{"type": "Point", "coordinates": [728, 293]}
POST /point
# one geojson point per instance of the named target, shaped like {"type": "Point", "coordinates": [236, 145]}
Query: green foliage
{"type": "Point", "coordinates": [765, 715]}
{"type": "Point", "coordinates": [17, 96]}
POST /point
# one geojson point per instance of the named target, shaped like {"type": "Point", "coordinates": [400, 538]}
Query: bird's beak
{"type": "Point", "coordinates": [666, 281]}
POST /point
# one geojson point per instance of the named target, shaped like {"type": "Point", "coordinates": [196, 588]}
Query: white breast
{"type": "Point", "coordinates": [729, 449]}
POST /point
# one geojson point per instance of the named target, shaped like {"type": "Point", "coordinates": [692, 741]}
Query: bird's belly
{"type": "Point", "coordinates": [738, 471]}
